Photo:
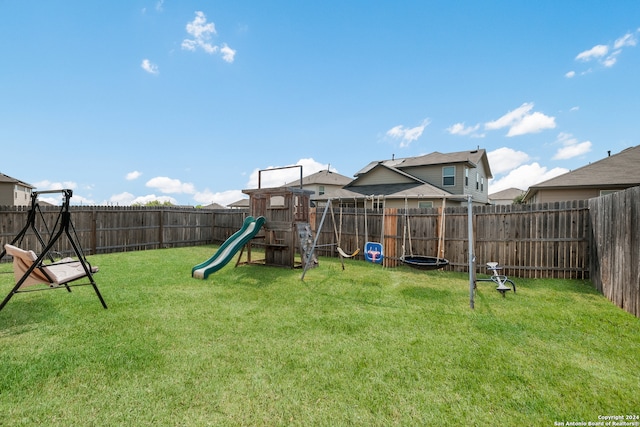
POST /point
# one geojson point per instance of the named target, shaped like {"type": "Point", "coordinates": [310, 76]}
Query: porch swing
{"type": "Point", "coordinates": [423, 262]}
{"type": "Point", "coordinates": [30, 269]}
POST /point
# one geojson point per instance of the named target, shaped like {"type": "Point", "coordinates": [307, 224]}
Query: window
{"type": "Point", "coordinates": [477, 181]}
{"type": "Point", "coordinates": [482, 183]}
{"type": "Point", "coordinates": [321, 190]}
{"type": "Point", "coordinates": [276, 202]}
{"type": "Point", "coordinates": [466, 177]}
{"type": "Point", "coordinates": [423, 205]}
{"type": "Point", "coordinates": [449, 175]}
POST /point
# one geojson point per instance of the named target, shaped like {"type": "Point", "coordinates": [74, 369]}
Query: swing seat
{"type": "Point", "coordinates": [53, 275]}
{"type": "Point", "coordinates": [343, 254]}
{"type": "Point", "coordinates": [421, 262]}
{"type": "Point", "coordinates": [373, 252]}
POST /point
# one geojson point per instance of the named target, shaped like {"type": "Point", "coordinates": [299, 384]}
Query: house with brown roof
{"type": "Point", "coordinates": [14, 192]}
{"type": "Point", "coordinates": [505, 197]}
{"type": "Point", "coordinates": [420, 182]}
{"type": "Point", "coordinates": [613, 173]}
{"type": "Point", "coordinates": [324, 184]}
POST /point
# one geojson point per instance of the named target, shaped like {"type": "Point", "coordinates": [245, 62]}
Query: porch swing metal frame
{"type": "Point", "coordinates": [37, 268]}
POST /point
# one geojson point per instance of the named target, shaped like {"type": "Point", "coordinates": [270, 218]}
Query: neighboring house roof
{"type": "Point", "coordinates": [242, 203]}
{"type": "Point", "coordinates": [409, 190]}
{"type": "Point", "coordinates": [615, 171]}
{"type": "Point", "coordinates": [7, 179]}
{"type": "Point", "coordinates": [508, 194]}
{"type": "Point", "coordinates": [388, 166]}
{"type": "Point", "coordinates": [470, 158]}
{"type": "Point", "coordinates": [214, 206]}
{"type": "Point", "coordinates": [411, 187]}
{"type": "Point", "coordinates": [323, 177]}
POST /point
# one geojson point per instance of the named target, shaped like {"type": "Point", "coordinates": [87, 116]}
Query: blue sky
{"type": "Point", "coordinates": [129, 101]}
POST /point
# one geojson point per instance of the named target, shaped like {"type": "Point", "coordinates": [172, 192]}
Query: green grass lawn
{"type": "Point", "coordinates": [255, 345]}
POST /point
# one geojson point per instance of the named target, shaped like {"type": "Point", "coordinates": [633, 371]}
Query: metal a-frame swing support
{"type": "Point", "coordinates": [63, 226]}
{"type": "Point", "coordinates": [309, 258]}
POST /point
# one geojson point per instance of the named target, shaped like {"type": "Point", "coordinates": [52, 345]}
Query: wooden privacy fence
{"type": "Point", "coordinates": [546, 240]}
{"type": "Point", "coordinates": [105, 229]}
{"type": "Point", "coordinates": [615, 259]}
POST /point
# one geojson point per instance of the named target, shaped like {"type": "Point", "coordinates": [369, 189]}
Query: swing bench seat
{"type": "Point", "coordinates": [56, 274]}
{"type": "Point", "coordinates": [422, 262]}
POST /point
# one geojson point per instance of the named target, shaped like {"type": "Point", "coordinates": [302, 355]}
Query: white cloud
{"type": "Point", "coordinates": [522, 121]}
{"type": "Point", "coordinates": [133, 175]}
{"type": "Point", "coordinates": [628, 39]}
{"type": "Point", "coordinates": [595, 52]}
{"type": "Point", "coordinates": [461, 129]}
{"type": "Point", "coordinates": [228, 54]}
{"type": "Point", "coordinates": [532, 123]}
{"type": "Point", "coordinates": [505, 159]}
{"type": "Point", "coordinates": [55, 185]}
{"type": "Point", "coordinates": [606, 55]}
{"type": "Point", "coordinates": [149, 67]}
{"type": "Point", "coordinates": [510, 118]}
{"type": "Point", "coordinates": [408, 135]}
{"type": "Point", "coordinates": [223, 198]}
{"type": "Point", "coordinates": [571, 147]}
{"type": "Point", "coordinates": [279, 177]}
{"type": "Point", "coordinates": [121, 199]}
{"type": "Point", "coordinates": [570, 74]}
{"type": "Point", "coordinates": [201, 32]}
{"type": "Point", "coordinates": [611, 60]}
{"type": "Point", "coordinates": [524, 177]}
{"type": "Point", "coordinates": [168, 185]}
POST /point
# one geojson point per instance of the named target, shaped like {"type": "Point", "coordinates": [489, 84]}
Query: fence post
{"type": "Point", "coordinates": [94, 232]}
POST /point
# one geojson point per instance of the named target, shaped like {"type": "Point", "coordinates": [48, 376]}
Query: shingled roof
{"type": "Point", "coordinates": [470, 158]}
{"type": "Point", "coordinates": [622, 169]}
{"type": "Point", "coordinates": [7, 179]}
{"type": "Point", "coordinates": [323, 177]}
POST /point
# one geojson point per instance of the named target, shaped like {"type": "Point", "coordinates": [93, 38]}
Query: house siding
{"type": "Point", "coordinates": [14, 194]}
{"type": "Point", "coordinates": [6, 194]}
{"type": "Point", "coordinates": [382, 176]}
{"type": "Point", "coordinates": [434, 174]}
{"type": "Point", "coordinates": [563, 195]}
{"type": "Point", "coordinates": [481, 194]}
{"type": "Point", "coordinates": [22, 195]}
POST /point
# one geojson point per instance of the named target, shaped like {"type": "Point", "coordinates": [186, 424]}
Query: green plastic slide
{"type": "Point", "coordinates": [229, 248]}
